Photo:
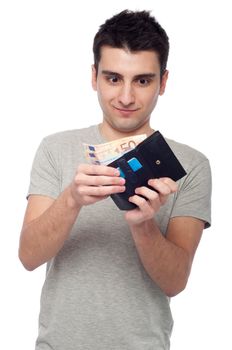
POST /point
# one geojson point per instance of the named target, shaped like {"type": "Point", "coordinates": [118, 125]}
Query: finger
{"type": "Point", "coordinates": [163, 190]}
{"type": "Point", "coordinates": [153, 197]}
{"type": "Point", "coordinates": [91, 169]}
{"type": "Point", "coordinates": [171, 183]}
{"type": "Point", "coordinates": [91, 180]}
{"type": "Point", "coordinates": [100, 191]}
{"type": "Point", "coordinates": [141, 202]}
{"type": "Point", "coordinates": [144, 210]}
{"type": "Point", "coordinates": [163, 187]}
{"type": "Point", "coordinates": [94, 199]}
{"type": "Point", "coordinates": [147, 193]}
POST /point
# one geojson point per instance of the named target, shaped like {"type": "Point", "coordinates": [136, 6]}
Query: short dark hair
{"type": "Point", "coordinates": [134, 31]}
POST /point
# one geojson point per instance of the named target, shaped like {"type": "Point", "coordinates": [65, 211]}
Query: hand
{"type": "Point", "coordinates": [152, 201]}
{"type": "Point", "coordinates": [93, 183]}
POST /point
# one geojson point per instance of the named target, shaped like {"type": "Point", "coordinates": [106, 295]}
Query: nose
{"type": "Point", "coordinates": [126, 95]}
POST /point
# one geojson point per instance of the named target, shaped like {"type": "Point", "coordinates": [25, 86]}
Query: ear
{"type": "Point", "coordinates": [94, 78]}
{"type": "Point", "coordinates": [163, 82]}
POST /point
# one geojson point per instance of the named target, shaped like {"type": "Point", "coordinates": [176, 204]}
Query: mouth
{"type": "Point", "coordinates": [126, 111]}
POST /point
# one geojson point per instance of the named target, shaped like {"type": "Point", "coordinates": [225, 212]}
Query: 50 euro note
{"type": "Point", "coordinates": [106, 153]}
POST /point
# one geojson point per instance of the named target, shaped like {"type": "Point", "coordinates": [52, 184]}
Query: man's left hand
{"type": "Point", "coordinates": [151, 201]}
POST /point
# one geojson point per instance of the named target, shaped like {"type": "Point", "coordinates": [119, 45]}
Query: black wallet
{"type": "Point", "coordinates": [152, 158]}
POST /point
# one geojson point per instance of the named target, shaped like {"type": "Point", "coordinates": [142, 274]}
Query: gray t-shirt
{"type": "Point", "coordinates": [97, 294]}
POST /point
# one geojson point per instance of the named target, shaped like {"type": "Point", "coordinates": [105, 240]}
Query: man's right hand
{"type": "Point", "coordinates": [48, 222]}
{"type": "Point", "coordinates": [93, 183]}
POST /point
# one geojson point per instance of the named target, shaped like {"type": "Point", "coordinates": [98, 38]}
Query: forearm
{"type": "Point", "coordinates": [42, 238]}
{"type": "Point", "coordinates": [166, 263]}
{"type": "Point", "coordinates": [47, 224]}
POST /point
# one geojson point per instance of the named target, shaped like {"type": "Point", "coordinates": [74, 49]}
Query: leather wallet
{"type": "Point", "coordinates": [152, 158]}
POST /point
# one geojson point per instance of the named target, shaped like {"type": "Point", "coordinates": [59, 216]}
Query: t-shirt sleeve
{"type": "Point", "coordinates": [194, 196]}
{"type": "Point", "coordinates": [45, 179]}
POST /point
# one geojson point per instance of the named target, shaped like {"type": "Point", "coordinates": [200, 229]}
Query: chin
{"type": "Point", "coordinates": [128, 127]}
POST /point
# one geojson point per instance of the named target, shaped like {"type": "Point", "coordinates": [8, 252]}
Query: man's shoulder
{"type": "Point", "coordinates": [187, 155]}
{"type": "Point", "coordinates": [72, 136]}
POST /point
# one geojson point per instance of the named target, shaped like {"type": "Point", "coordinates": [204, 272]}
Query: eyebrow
{"type": "Point", "coordinates": [138, 76]}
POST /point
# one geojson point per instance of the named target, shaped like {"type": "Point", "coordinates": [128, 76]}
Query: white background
{"type": "Point", "coordinates": [45, 59]}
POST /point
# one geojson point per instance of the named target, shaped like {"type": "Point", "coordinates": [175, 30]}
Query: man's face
{"type": "Point", "coordinates": [128, 86]}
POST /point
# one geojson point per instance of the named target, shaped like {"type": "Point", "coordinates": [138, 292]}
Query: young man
{"type": "Point", "coordinates": [110, 274]}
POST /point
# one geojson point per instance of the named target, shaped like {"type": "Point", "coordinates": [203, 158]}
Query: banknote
{"type": "Point", "coordinates": [107, 152]}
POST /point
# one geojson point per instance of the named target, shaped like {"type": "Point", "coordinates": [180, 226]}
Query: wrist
{"type": "Point", "coordinates": [71, 201]}
{"type": "Point", "coordinates": [145, 228]}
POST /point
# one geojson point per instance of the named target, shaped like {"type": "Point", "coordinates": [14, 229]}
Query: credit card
{"type": "Point", "coordinates": [134, 164]}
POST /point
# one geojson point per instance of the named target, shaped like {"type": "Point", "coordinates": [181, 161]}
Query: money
{"type": "Point", "coordinates": [106, 153]}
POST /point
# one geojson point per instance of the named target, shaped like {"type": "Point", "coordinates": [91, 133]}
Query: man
{"type": "Point", "coordinates": [110, 274]}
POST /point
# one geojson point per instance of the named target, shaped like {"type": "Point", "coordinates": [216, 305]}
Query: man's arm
{"type": "Point", "coordinates": [46, 226]}
{"type": "Point", "coordinates": [48, 222]}
{"type": "Point", "coordinates": [167, 259]}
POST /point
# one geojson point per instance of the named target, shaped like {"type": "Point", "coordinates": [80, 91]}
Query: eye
{"type": "Point", "coordinates": [112, 79]}
{"type": "Point", "coordinates": [143, 81]}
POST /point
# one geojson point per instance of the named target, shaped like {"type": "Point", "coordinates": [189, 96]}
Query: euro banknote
{"type": "Point", "coordinates": [105, 153]}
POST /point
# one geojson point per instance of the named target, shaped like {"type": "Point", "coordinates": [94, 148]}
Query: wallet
{"type": "Point", "coordinates": [152, 158]}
